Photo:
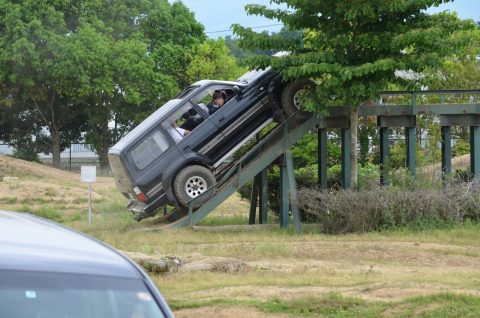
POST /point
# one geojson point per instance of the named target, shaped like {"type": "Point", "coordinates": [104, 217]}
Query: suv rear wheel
{"type": "Point", "coordinates": [293, 97]}
{"type": "Point", "coordinates": [191, 182]}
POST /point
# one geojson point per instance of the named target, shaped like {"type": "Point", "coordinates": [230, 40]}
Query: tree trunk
{"type": "Point", "coordinates": [55, 135]}
{"type": "Point", "coordinates": [353, 146]}
{"type": "Point", "coordinates": [104, 165]}
{"type": "Point", "coordinates": [104, 147]}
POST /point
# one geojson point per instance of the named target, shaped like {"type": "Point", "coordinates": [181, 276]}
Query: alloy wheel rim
{"type": "Point", "coordinates": [195, 186]}
{"type": "Point", "coordinates": [299, 99]}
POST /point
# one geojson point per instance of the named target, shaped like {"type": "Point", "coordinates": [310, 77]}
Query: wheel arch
{"type": "Point", "coordinates": [170, 174]}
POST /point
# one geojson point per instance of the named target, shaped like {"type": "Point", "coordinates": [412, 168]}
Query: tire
{"type": "Point", "coordinates": [191, 182]}
{"type": "Point", "coordinates": [291, 97]}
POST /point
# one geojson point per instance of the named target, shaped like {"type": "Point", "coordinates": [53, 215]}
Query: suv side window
{"type": "Point", "coordinates": [205, 96]}
{"type": "Point", "coordinates": [149, 149]}
{"type": "Point", "coordinates": [181, 123]}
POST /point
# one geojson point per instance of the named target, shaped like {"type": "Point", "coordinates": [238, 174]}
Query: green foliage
{"type": "Point", "coordinates": [74, 67]}
{"type": "Point", "coordinates": [26, 154]}
{"type": "Point", "coordinates": [353, 48]}
{"type": "Point", "coordinates": [243, 55]}
{"type": "Point", "coordinates": [460, 148]}
{"type": "Point", "coordinates": [462, 175]}
{"type": "Point", "coordinates": [210, 60]}
{"type": "Point", "coordinates": [305, 150]}
{"type": "Point", "coordinates": [235, 50]}
{"type": "Point", "coordinates": [49, 213]}
{"type": "Point", "coordinates": [462, 71]}
{"type": "Point", "coordinates": [368, 177]}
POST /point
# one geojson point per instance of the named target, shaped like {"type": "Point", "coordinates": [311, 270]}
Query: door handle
{"type": "Point", "coordinates": [186, 147]}
{"type": "Point", "coordinates": [221, 119]}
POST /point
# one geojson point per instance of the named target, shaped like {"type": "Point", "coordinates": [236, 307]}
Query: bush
{"type": "Point", "coordinates": [460, 148]}
{"type": "Point", "coordinates": [462, 175]}
{"type": "Point", "coordinates": [26, 154]}
{"type": "Point", "coordinates": [306, 177]}
{"type": "Point", "coordinates": [347, 211]}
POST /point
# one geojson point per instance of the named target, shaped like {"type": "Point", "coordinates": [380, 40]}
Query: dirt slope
{"type": "Point", "coordinates": [12, 167]}
{"type": "Point", "coordinates": [27, 186]}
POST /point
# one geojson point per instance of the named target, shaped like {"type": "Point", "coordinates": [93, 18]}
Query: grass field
{"type": "Point", "coordinates": [267, 271]}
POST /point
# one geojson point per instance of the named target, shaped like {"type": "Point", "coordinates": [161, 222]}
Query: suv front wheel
{"type": "Point", "coordinates": [191, 182]}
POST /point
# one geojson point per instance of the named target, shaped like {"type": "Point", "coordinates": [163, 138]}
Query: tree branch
{"type": "Point", "coordinates": [46, 121]}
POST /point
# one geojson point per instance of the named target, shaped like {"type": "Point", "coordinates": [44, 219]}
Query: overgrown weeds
{"type": "Point", "coordinates": [348, 211]}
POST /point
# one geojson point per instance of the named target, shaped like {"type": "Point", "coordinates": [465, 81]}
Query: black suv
{"type": "Point", "coordinates": [178, 152]}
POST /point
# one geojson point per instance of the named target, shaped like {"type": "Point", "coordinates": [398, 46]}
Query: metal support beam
{"type": "Point", "coordinates": [259, 195]}
{"type": "Point", "coordinates": [346, 158]}
{"type": "Point", "coordinates": [292, 184]}
{"type": "Point", "coordinates": [475, 151]}
{"type": "Point", "coordinates": [384, 155]}
{"type": "Point", "coordinates": [459, 120]}
{"type": "Point", "coordinates": [411, 150]}
{"type": "Point", "coordinates": [322, 159]}
{"type": "Point", "coordinates": [253, 200]}
{"type": "Point", "coordinates": [446, 150]}
{"type": "Point", "coordinates": [396, 121]}
{"type": "Point", "coordinates": [263, 213]}
{"type": "Point", "coordinates": [284, 199]}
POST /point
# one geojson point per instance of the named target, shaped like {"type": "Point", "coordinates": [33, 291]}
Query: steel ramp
{"type": "Point", "coordinates": [267, 150]}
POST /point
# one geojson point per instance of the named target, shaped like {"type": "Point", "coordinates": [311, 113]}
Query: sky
{"type": "Point", "coordinates": [218, 15]}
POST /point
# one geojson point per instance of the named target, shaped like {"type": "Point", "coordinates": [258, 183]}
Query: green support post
{"type": "Point", "coordinates": [263, 213]}
{"type": "Point", "coordinates": [475, 151]}
{"type": "Point", "coordinates": [411, 150]}
{"type": "Point", "coordinates": [384, 155]}
{"type": "Point", "coordinates": [446, 150]}
{"type": "Point", "coordinates": [346, 158]}
{"type": "Point", "coordinates": [253, 200]}
{"type": "Point", "coordinates": [284, 199]}
{"type": "Point", "coordinates": [322, 159]}
{"type": "Point", "coordinates": [259, 195]}
{"type": "Point", "coordinates": [292, 185]}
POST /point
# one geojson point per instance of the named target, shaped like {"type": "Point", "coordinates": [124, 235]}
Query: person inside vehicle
{"type": "Point", "coordinates": [192, 118]}
{"type": "Point", "coordinates": [217, 102]}
{"type": "Point", "coordinates": [176, 132]}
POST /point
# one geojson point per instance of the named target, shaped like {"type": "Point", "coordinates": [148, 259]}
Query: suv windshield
{"type": "Point", "coordinates": [31, 294]}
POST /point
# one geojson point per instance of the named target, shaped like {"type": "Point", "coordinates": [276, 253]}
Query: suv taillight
{"type": "Point", "coordinates": [142, 197]}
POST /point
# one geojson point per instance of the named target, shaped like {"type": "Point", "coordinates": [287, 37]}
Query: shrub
{"type": "Point", "coordinates": [347, 211]}
{"type": "Point", "coordinates": [26, 154]}
{"type": "Point", "coordinates": [306, 177]}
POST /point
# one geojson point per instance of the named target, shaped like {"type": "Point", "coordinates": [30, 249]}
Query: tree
{"type": "Point", "coordinates": [78, 66]}
{"type": "Point", "coordinates": [149, 44]}
{"type": "Point", "coordinates": [244, 54]}
{"type": "Point", "coordinates": [33, 58]}
{"type": "Point", "coordinates": [353, 48]}
{"type": "Point", "coordinates": [461, 71]}
{"type": "Point", "coordinates": [211, 59]}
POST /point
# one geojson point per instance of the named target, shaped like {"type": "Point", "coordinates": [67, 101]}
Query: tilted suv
{"type": "Point", "coordinates": [176, 154]}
